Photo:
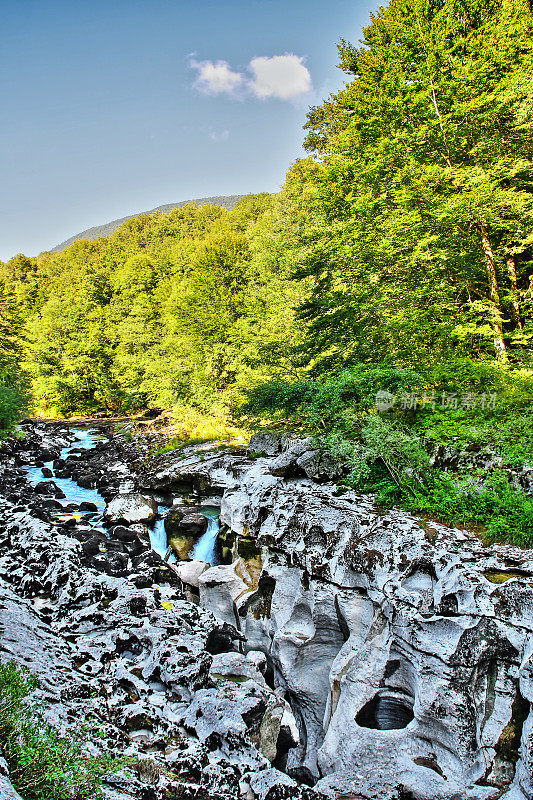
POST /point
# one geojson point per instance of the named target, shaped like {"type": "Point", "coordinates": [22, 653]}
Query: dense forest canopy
{"type": "Point", "coordinates": [171, 308]}
{"type": "Point", "coordinates": [420, 206]}
{"type": "Point", "coordinates": [398, 256]}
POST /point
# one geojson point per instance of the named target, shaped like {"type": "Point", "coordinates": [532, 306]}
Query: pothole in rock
{"type": "Point", "coordinates": [387, 711]}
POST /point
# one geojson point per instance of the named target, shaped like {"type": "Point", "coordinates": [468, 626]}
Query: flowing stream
{"type": "Point", "coordinates": [85, 440]}
{"type": "Point", "coordinates": [158, 535]}
{"type": "Point", "coordinates": [205, 548]}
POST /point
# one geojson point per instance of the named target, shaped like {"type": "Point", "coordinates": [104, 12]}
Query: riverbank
{"type": "Point", "coordinates": [336, 650]}
{"type": "Point", "coordinates": [104, 625]}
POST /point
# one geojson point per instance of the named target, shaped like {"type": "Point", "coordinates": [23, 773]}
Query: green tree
{"type": "Point", "coordinates": [419, 209]}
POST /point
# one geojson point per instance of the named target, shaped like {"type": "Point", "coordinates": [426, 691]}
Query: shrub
{"type": "Point", "coordinates": [13, 401]}
{"type": "Point", "coordinates": [391, 462]}
{"type": "Point", "coordinates": [44, 765]}
{"type": "Point", "coordinates": [386, 451]}
{"type": "Point", "coordinates": [336, 403]}
{"type": "Point", "coordinates": [504, 513]}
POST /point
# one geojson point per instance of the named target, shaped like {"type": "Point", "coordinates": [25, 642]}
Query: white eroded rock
{"type": "Point", "coordinates": [235, 666]}
{"type": "Point", "coordinates": [408, 667]}
{"type": "Point", "coordinates": [190, 571]}
{"type": "Point", "coordinates": [131, 508]}
{"type": "Point", "coordinates": [220, 587]}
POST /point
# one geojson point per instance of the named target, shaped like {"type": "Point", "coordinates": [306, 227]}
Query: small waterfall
{"type": "Point", "coordinates": [158, 538]}
{"type": "Point", "coordinates": [205, 547]}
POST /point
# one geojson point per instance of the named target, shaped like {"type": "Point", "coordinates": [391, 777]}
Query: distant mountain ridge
{"type": "Point", "coordinates": [106, 230]}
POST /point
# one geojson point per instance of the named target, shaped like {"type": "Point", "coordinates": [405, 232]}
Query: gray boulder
{"type": "Point", "coordinates": [184, 520]}
{"type": "Point", "coordinates": [266, 443]}
{"type": "Point", "coordinates": [190, 571]}
{"type": "Point", "coordinates": [220, 587]}
{"type": "Point", "coordinates": [131, 508]}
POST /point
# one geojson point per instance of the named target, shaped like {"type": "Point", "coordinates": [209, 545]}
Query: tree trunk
{"type": "Point", "coordinates": [494, 296]}
{"type": "Point", "coordinates": [515, 305]}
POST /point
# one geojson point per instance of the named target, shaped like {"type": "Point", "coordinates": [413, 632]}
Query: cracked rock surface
{"type": "Point", "coordinates": [341, 651]}
{"type": "Point", "coordinates": [124, 661]}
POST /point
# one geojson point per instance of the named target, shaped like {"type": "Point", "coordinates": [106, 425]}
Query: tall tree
{"type": "Point", "coordinates": [420, 226]}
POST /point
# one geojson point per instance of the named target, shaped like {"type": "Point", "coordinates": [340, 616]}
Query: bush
{"type": "Point", "coordinates": [337, 403]}
{"type": "Point", "coordinates": [13, 401]}
{"type": "Point", "coordinates": [386, 452]}
{"type": "Point", "coordinates": [392, 463]}
{"type": "Point", "coordinates": [42, 764]}
{"type": "Point", "coordinates": [505, 514]}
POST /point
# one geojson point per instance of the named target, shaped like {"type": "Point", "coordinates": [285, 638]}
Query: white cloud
{"type": "Point", "coordinates": [218, 136]}
{"type": "Point", "coordinates": [285, 77]}
{"type": "Point", "coordinates": [216, 78]}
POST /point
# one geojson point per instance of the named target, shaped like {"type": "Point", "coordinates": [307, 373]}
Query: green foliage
{"type": "Point", "coordinates": [13, 383]}
{"type": "Point", "coordinates": [503, 513]}
{"type": "Point", "coordinates": [334, 403]}
{"type": "Point", "coordinates": [389, 453]}
{"type": "Point", "coordinates": [415, 224]}
{"type": "Point", "coordinates": [179, 308]}
{"type": "Point", "coordinates": [44, 765]}
{"type": "Point", "coordinates": [401, 453]}
{"type": "Point", "coordinates": [505, 425]}
{"type": "Point", "coordinates": [13, 403]}
{"type": "Point", "coordinates": [392, 462]}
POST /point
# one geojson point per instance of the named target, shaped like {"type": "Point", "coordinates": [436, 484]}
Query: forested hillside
{"type": "Point", "coordinates": [397, 258]}
{"type": "Point", "coordinates": [108, 228]}
{"type": "Point", "coordinates": [171, 308]}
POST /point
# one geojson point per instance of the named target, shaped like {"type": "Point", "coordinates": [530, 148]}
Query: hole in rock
{"type": "Point", "coordinates": [387, 711]}
{"type": "Point", "coordinates": [508, 745]}
{"type": "Point", "coordinates": [270, 673]}
{"type": "Point", "coordinates": [405, 794]}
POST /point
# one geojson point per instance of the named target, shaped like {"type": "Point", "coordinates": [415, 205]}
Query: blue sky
{"type": "Point", "coordinates": [115, 106]}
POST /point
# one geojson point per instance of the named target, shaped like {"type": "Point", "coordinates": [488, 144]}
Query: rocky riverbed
{"type": "Point", "coordinates": [336, 650]}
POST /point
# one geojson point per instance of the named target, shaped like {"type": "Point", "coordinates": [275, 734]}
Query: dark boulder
{"type": "Point", "coordinates": [85, 505]}
{"type": "Point", "coordinates": [185, 521]}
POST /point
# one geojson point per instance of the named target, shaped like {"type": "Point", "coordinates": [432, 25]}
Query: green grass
{"type": "Point", "coordinates": [42, 764]}
{"type": "Point", "coordinates": [503, 513]}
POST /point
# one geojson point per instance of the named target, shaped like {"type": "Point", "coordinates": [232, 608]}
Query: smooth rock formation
{"type": "Point", "coordinates": [190, 571]}
{"type": "Point", "coordinates": [7, 791]}
{"type": "Point", "coordinates": [266, 443]}
{"type": "Point", "coordinates": [131, 508]}
{"type": "Point", "coordinates": [183, 520]}
{"type": "Point", "coordinates": [407, 667]}
{"type": "Point", "coordinates": [219, 588]}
